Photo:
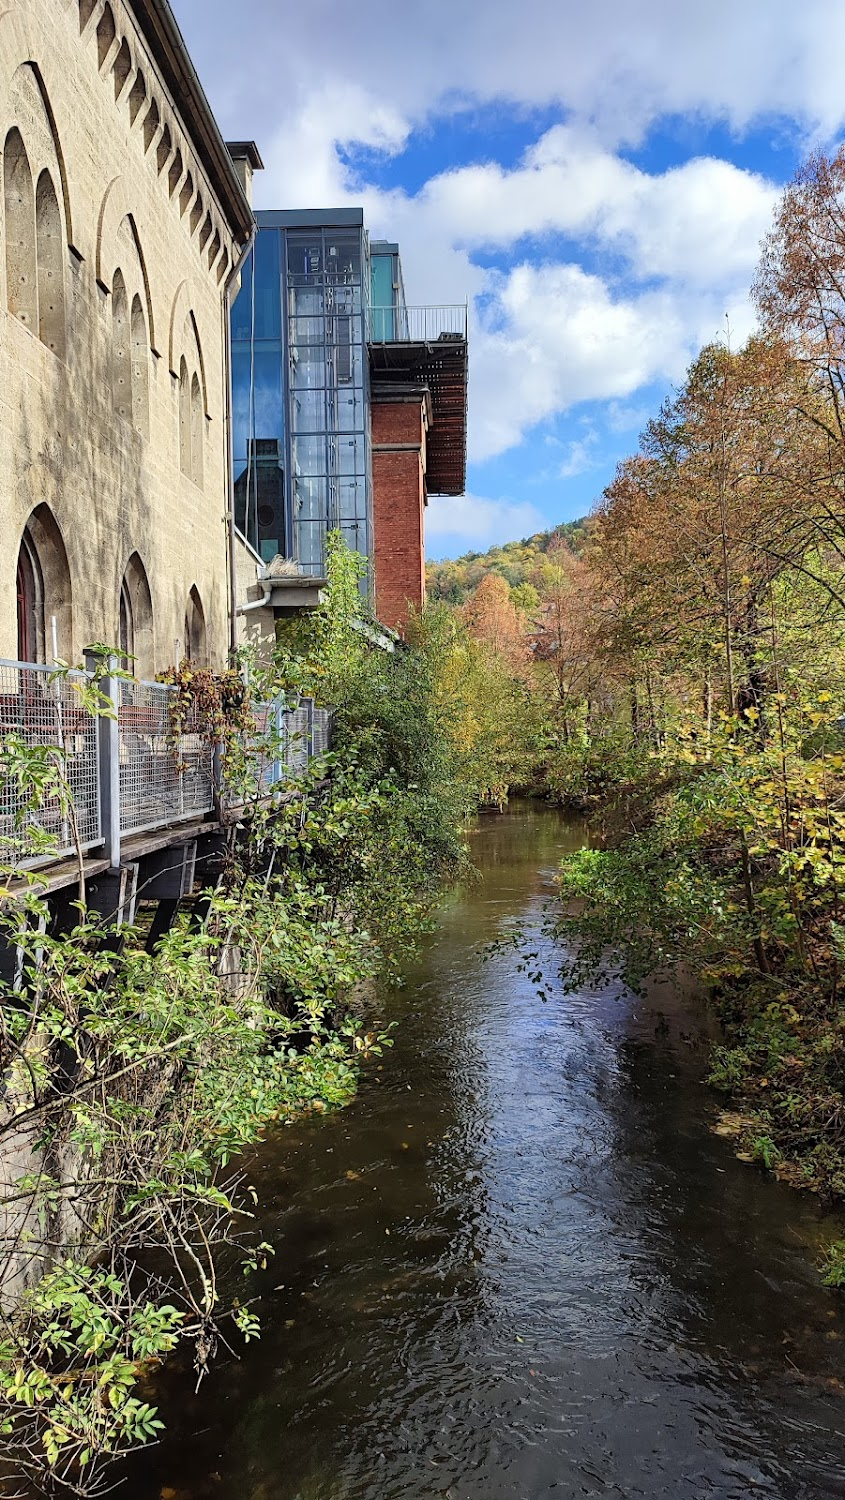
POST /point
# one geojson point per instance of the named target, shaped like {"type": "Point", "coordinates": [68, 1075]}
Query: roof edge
{"type": "Point", "coordinates": [160, 28]}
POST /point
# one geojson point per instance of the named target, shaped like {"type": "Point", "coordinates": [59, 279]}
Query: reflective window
{"type": "Point", "coordinates": [242, 307]}
{"type": "Point", "coordinates": [268, 308]}
{"type": "Point", "coordinates": [308, 411]}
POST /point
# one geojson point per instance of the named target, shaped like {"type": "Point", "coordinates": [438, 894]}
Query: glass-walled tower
{"type": "Point", "coordinates": [300, 387]}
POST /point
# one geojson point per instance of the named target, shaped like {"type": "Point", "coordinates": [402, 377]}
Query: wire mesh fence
{"type": "Point", "coordinates": [41, 710]}
{"type": "Point", "coordinates": [161, 769]}
{"type": "Point", "coordinates": [287, 738]}
{"type": "Point", "coordinates": [166, 770]}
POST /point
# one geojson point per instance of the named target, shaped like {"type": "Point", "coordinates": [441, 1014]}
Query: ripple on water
{"type": "Point", "coordinates": [520, 1265]}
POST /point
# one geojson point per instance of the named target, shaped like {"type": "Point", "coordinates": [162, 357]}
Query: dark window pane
{"type": "Point", "coordinates": [260, 498]}
{"type": "Point", "coordinates": [305, 254]}
{"type": "Point", "coordinates": [343, 256]}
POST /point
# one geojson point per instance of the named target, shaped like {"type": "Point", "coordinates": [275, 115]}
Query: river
{"type": "Point", "coordinates": [520, 1266]}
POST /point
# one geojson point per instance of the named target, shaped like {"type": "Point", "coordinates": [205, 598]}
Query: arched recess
{"type": "Point", "coordinates": [50, 261]}
{"type": "Point", "coordinates": [121, 357]}
{"type": "Point", "coordinates": [121, 69]}
{"type": "Point", "coordinates": [193, 348]}
{"type": "Point", "coordinates": [43, 569]}
{"type": "Point", "coordinates": [184, 418]}
{"type": "Point", "coordinates": [140, 352]}
{"type": "Point", "coordinates": [106, 34]}
{"type": "Point", "coordinates": [186, 193]}
{"type": "Point", "coordinates": [30, 600]}
{"type": "Point", "coordinates": [152, 120]}
{"type": "Point", "coordinates": [119, 244]}
{"type": "Point", "coordinates": [137, 95]}
{"type": "Point", "coordinates": [135, 618]}
{"type": "Point", "coordinates": [197, 430]}
{"type": "Point", "coordinates": [19, 205]}
{"type": "Point", "coordinates": [196, 646]}
{"type": "Point", "coordinates": [29, 101]}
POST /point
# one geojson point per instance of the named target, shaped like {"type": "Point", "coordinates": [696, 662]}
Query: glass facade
{"type": "Point", "coordinates": [300, 388]}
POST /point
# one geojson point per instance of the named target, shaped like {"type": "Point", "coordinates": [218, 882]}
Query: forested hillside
{"type": "Point", "coordinates": [681, 656]}
{"type": "Point", "coordinates": [453, 581]}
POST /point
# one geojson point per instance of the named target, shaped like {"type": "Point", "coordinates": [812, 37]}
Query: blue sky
{"type": "Point", "coordinates": [594, 180]}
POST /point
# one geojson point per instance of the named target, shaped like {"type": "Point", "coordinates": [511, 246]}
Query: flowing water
{"type": "Point", "coordinates": [521, 1265]}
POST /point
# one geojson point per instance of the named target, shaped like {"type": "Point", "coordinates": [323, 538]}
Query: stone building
{"type": "Point", "coordinates": [122, 222]}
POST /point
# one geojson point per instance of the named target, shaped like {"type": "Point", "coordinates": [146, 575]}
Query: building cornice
{"type": "Point", "coordinates": [158, 25]}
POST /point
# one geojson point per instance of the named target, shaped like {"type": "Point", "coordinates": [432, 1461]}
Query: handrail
{"type": "Point", "coordinates": [400, 324]}
{"type": "Point", "coordinates": [125, 773]}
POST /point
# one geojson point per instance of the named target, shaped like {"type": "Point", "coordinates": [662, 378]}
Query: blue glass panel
{"type": "Point", "coordinates": [264, 418]}
{"type": "Point", "coordinates": [240, 401]}
{"type": "Point", "coordinates": [268, 308]}
{"type": "Point", "coordinates": [269, 411]}
{"type": "Point", "coordinates": [383, 297]}
{"type": "Point", "coordinates": [242, 307]}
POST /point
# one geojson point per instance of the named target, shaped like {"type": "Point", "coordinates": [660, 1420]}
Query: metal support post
{"type": "Point", "coordinates": [108, 743]}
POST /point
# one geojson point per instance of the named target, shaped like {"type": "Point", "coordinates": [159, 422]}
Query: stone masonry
{"type": "Point", "coordinates": [120, 224]}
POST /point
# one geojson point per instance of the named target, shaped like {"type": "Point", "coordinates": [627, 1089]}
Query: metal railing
{"type": "Point", "coordinates": [119, 775]}
{"type": "Point", "coordinates": [40, 711]}
{"type": "Point", "coordinates": [164, 777]}
{"type": "Point", "coordinates": [416, 325]}
{"type": "Point", "coordinates": [289, 736]}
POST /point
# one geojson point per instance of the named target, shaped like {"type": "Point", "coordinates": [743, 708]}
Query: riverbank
{"type": "Point", "coordinates": [520, 1263]}
{"type": "Point", "coordinates": [728, 860]}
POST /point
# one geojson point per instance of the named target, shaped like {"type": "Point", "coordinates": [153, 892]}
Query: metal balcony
{"type": "Point", "coordinates": [427, 347]}
{"type": "Point", "coordinates": [417, 325]}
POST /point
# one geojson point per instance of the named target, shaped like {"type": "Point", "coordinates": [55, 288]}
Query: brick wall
{"type": "Point", "coordinates": [399, 496]}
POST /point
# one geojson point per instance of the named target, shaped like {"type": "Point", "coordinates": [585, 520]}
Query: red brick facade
{"type": "Point", "coordinates": [399, 424]}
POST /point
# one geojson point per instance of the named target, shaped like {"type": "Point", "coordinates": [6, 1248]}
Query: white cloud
{"type": "Point", "coordinates": [654, 261]}
{"type": "Point", "coordinates": [478, 521]}
{"type": "Point", "coordinates": [610, 62]}
{"type": "Point", "coordinates": [582, 455]}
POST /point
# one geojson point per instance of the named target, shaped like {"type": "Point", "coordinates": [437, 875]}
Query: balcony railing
{"type": "Point", "coordinates": [122, 776]}
{"type": "Point", "coordinates": [416, 325]}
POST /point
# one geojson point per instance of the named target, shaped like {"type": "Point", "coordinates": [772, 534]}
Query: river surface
{"type": "Point", "coordinates": [521, 1266]}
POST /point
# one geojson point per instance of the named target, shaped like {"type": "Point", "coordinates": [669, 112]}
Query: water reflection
{"type": "Point", "coordinates": [520, 1265]}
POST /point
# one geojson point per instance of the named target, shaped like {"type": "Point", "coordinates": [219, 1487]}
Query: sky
{"type": "Point", "coordinates": [593, 177]}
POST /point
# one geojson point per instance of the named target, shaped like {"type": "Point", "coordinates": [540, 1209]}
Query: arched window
{"type": "Point", "coordinates": [126, 627]}
{"type": "Point", "coordinates": [121, 371]}
{"type": "Point", "coordinates": [197, 434]}
{"type": "Point", "coordinates": [30, 589]}
{"type": "Point", "coordinates": [44, 592]}
{"type": "Point", "coordinates": [19, 202]}
{"type": "Point", "coordinates": [135, 619]}
{"type": "Point", "coordinates": [50, 259]}
{"type": "Point", "coordinates": [184, 418]}
{"type": "Point", "coordinates": [140, 370]}
{"type": "Point", "coordinates": [195, 639]}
